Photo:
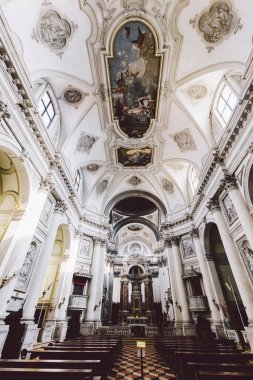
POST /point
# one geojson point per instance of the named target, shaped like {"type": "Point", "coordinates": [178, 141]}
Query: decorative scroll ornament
{"type": "Point", "coordinates": [134, 181]}
{"type": "Point", "coordinates": [184, 140]}
{"type": "Point", "coordinates": [167, 185]}
{"type": "Point", "coordinates": [85, 143]}
{"type": "Point", "coordinates": [216, 23]}
{"type": "Point", "coordinates": [73, 96]}
{"type": "Point", "coordinates": [101, 186]}
{"type": "Point", "coordinates": [53, 30]}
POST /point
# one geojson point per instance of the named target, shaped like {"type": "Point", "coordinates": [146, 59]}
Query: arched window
{"type": "Point", "coordinates": [46, 109]}
{"type": "Point", "coordinates": [77, 180]}
{"type": "Point", "coordinates": [194, 179]}
{"type": "Point", "coordinates": [226, 103]}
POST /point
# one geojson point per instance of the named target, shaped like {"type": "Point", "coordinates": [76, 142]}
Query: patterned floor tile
{"type": "Point", "coordinates": [128, 365]}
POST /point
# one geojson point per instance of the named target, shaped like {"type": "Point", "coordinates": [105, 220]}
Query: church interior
{"type": "Point", "coordinates": [126, 189]}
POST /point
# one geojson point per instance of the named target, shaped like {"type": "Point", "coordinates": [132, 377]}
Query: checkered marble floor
{"type": "Point", "coordinates": [127, 365]}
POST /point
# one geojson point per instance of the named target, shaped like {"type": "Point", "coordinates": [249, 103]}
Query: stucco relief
{"type": "Point", "coordinates": [216, 23]}
{"type": "Point", "coordinates": [229, 209]}
{"type": "Point", "coordinates": [188, 248]}
{"type": "Point", "coordinates": [101, 186]}
{"type": "Point", "coordinates": [134, 181]}
{"type": "Point", "coordinates": [196, 91]}
{"type": "Point", "coordinates": [167, 185]}
{"type": "Point", "coordinates": [85, 143]}
{"type": "Point", "coordinates": [184, 140]}
{"type": "Point", "coordinates": [84, 250]}
{"type": "Point", "coordinates": [247, 253]}
{"type": "Point", "coordinates": [26, 270]}
{"type": "Point", "coordinates": [73, 96]}
{"type": "Point", "coordinates": [53, 30]}
{"type": "Point", "coordinates": [46, 211]}
{"type": "Point", "coordinates": [135, 227]}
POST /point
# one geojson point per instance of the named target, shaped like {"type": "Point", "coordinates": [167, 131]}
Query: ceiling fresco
{"type": "Point", "coordinates": [134, 78]}
{"type": "Point", "coordinates": [134, 156]}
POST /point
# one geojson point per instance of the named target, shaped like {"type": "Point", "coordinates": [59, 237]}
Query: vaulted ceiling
{"type": "Point", "coordinates": [67, 43]}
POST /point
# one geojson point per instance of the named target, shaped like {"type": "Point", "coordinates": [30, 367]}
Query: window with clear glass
{"type": "Point", "coordinates": [77, 180]}
{"type": "Point", "coordinates": [194, 179]}
{"type": "Point", "coordinates": [226, 103]}
{"type": "Point", "coordinates": [46, 109]}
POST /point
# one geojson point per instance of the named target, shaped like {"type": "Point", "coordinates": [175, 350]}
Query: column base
{"type": "Point", "coordinates": [30, 335]}
{"type": "Point", "coordinates": [189, 329]}
{"type": "Point", "coordinates": [218, 330]}
{"type": "Point", "coordinates": [249, 334]}
{"type": "Point", "coordinates": [89, 327]}
{"type": "Point", "coordinates": [4, 329]}
{"type": "Point", "coordinates": [46, 332]}
{"type": "Point", "coordinates": [60, 331]}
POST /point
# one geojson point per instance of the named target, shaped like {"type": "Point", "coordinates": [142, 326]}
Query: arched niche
{"type": "Point", "coordinates": [14, 188]}
{"type": "Point", "coordinates": [226, 287]}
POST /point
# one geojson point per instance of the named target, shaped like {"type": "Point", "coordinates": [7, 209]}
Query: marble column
{"type": "Point", "coordinates": [63, 292]}
{"type": "Point", "coordinates": [173, 284]}
{"type": "Point", "coordinates": [181, 302]}
{"type": "Point", "coordinates": [42, 263]}
{"type": "Point", "coordinates": [213, 303]}
{"type": "Point", "coordinates": [239, 271]}
{"type": "Point", "coordinates": [230, 185]}
{"type": "Point", "coordinates": [96, 285]}
{"type": "Point", "coordinates": [14, 258]}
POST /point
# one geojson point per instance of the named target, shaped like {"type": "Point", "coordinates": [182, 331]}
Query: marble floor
{"type": "Point", "coordinates": [128, 366]}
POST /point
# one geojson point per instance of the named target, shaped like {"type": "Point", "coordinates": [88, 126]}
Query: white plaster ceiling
{"type": "Point", "coordinates": [187, 63]}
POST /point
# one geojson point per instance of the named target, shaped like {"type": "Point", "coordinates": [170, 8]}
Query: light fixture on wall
{"type": "Point", "coordinates": [178, 306]}
{"type": "Point", "coordinates": [62, 302]}
{"type": "Point", "coordinates": [216, 305]}
{"type": "Point", "coordinates": [3, 282]}
{"type": "Point", "coordinates": [97, 305]}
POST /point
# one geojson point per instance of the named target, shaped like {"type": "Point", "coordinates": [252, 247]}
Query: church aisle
{"type": "Point", "coordinates": [128, 367]}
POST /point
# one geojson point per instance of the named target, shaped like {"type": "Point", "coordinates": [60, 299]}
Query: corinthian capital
{"type": "Point", "coordinates": [47, 184]}
{"type": "Point", "coordinates": [60, 206]}
{"type": "Point", "coordinates": [229, 182]}
{"type": "Point", "coordinates": [167, 243]}
{"type": "Point", "coordinates": [194, 233]}
{"type": "Point", "coordinates": [4, 114]}
{"type": "Point", "coordinates": [175, 240]}
{"type": "Point", "coordinates": [213, 205]}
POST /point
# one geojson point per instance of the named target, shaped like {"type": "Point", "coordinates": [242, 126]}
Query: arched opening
{"type": "Point", "coordinates": [250, 184]}
{"type": "Point", "coordinates": [230, 300]}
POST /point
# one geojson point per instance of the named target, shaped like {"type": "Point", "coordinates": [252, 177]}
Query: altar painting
{"type": "Point", "coordinates": [134, 78]}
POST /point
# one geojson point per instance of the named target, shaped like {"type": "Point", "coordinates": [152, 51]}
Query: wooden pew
{"type": "Point", "coordinates": [180, 358]}
{"type": "Point", "coordinates": [71, 355]}
{"type": "Point", "coordinates": [45, 374]}
{"type": "Point", "coordinates": [213, 375]}
{"type": "Point", "coordinates": [195, 367]}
